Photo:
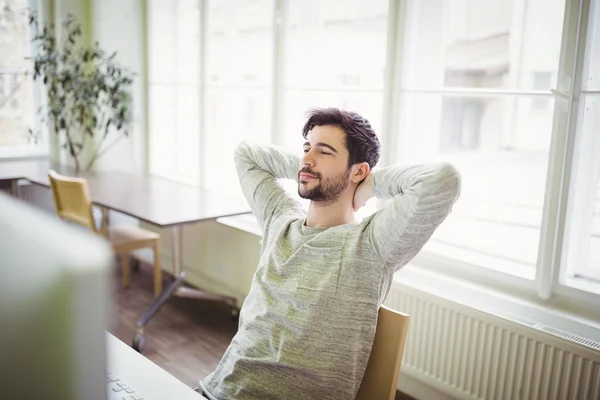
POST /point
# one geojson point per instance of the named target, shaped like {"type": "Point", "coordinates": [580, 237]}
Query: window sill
{"type": "Point", "coordinates": [581, 288]}
{"type": "Point", "coordinates": [491, 263]}
{"type": "Point", "coordinates": [22, 155]}
{"type": "Point", "coordinates": [244, 222]}
{"type": "Point", "coordinates": [568, 314]}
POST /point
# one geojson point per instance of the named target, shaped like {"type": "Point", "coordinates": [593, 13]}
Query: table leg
{"type": "Point", "coordinates": [14, 188]}
{"type": "Point", "coordinates": [176, 250]}
{"type": "Point", "coordinates": [104, 222]}
{"type": "Point", "coordinates": [176, 288]}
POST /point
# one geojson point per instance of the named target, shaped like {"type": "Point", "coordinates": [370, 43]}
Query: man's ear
{"type": "Point", "coordinates": [360, 172]}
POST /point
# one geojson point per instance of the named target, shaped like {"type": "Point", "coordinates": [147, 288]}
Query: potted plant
{"type": "Point", "coordinates": [89, 103]}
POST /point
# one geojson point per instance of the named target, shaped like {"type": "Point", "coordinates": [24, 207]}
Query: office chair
{"type": "Point", "coordinates": [381, 376]}
{"type": "Point", "coordinates": [72, 202]}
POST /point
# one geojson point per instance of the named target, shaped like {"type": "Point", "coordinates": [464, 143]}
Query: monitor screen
{"type": "Point", "coordinates": [54, 306]}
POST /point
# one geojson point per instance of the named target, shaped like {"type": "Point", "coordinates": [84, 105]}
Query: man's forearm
{"type": "Point", "coordinates": [274, 160]}
{"type": "Point", "coordinates": [423, 196]}
{"type": "Point", "coordinates": [392, 181]}
{"type": "Point", "coordinates": [259, 168]}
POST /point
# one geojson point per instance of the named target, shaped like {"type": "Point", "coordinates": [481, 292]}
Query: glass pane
{"type": "Point", "coordinates": [298, 102]}
{"type": "Point", "coordinates": [594, 256]}
{"type": "Point", "coordinates": [162, 106]}
{"type": "Point", "coordinates": [506, 44]}
{"type": "Point", "coordinates": [238, 80]}
{"type": "Point", "coordinates": [174, 41]}
{"type": "Point", "coordinates": [16, 88]}
{"type": "Point", "coordinates": [591, 206]}
{"type": "Point", "coordinates": [582, 237]}
{"type": "Point", "coordinates": [161, 36]}
{"type": "Point", "coordinates": [16, 109]}
{"type": "Point", "coordinates": [500, 145]}
{"type": "Point", "coordinates": [188, 41]}
{"type": "Point", "coordinates": [336, 43]}
{"type": "Point", "coordinates": [232, 115]}
{"type": "Point", "coordinates": [240, 42]}
{"type": "Point", "coordinates": [188, 132]}
{"type": "Point", "coordinates": [593, 80]}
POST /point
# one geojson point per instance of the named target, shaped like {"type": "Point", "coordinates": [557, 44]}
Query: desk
{"type": "Point", "coordinates": [12, 170]}
{"type": "Point", "coordinates": [165, 204]}
{"type": "Point", "coordinates": [143, 375]}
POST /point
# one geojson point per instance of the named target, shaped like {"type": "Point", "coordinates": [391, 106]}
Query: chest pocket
{"type": "Point", "coordinates": [320, 268]}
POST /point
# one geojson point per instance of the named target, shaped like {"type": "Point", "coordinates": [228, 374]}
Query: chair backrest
{"type": "Point", "coordinates": [381, 376]}
{"type": "Point", "coordinates": [72, 199]}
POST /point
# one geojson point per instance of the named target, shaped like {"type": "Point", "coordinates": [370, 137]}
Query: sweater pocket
{"type": "Point", "coordinates": [320, 268]}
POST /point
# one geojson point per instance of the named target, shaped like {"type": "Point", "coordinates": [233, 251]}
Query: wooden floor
{"type": "Point", "coordinates": [186, 338]}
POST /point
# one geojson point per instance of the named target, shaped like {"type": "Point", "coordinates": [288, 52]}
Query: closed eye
{"type": "Point", "coordinates": [322, 152]}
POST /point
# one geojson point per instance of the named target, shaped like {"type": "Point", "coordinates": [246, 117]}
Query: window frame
{"type": "Point", "coordinates": [549, 279]}
{"type": "Point", "coordinates": [578, 226]}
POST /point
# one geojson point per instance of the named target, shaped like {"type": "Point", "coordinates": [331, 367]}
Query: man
{"type": "Point", "coordinates": [308, 323]}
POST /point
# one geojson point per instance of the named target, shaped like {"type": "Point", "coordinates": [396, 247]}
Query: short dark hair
{"type": "Point", "coordinates": [361, 141]}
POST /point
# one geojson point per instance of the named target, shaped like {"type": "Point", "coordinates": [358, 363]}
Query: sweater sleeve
{"type": "Point", "coordinates": [260, 168]}
{"type": "Point", "coordinates": [422, 197]}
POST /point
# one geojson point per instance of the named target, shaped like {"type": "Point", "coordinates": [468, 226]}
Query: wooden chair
{"type": "Point", "coordinates": [72, 202]}
{"type": "Point", "coordinates": [381, 376]}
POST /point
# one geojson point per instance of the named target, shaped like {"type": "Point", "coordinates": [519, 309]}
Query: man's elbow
{"type": "Point", "coordinates": [240, 154]}
{"type": "Point", "coordinates": [450, 179]}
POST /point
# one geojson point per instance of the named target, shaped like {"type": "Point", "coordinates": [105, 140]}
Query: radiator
{"type": "Point", "coordinates": [471, 354]}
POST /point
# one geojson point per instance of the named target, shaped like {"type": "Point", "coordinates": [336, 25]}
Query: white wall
{"type": "Point", "coordinates": [215, 257]}
{"type": "Point", "coordinates": [117, 26]}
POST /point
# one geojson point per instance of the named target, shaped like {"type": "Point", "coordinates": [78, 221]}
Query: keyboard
{"type": "Point", "coordinates": [117, 389]}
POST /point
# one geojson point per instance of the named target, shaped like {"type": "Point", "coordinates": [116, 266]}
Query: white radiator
{"type": "Point", "coordinates": [470, 354]}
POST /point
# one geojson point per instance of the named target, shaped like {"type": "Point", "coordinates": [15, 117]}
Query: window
{"type": "Point", "coordinates": [586, 202]}
{"type": "Point", "coordinates": [335, 56]}
{"type": "Point", "coordinates": [17, 102]}
{"type": "Point", "coordinates": [583, 224]}
{"type": "Point", "coordinates": [471, 95]}
{"type": "Point", "coordinates": [239, 63]}
{"type": "Point", "coordinates": [174, 88]}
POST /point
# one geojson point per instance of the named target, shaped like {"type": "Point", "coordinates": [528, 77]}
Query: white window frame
{"type": "Point", "coordinates": [41, 149]}
{"type": "Point", "coordinates": [550, 269]}
{"type": "Point", "coordinates": [395, 143]}
{"type": "Point", "coordinates": [584, 165]}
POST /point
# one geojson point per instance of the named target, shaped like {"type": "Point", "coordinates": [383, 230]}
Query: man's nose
{"type": "Point", "coordinates": [307, 160]}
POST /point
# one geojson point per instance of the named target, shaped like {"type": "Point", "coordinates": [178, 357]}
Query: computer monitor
{"type": "Point", "coordinates": [54, 306]}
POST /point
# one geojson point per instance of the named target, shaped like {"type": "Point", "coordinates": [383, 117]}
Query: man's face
{"type": "Point", "coordinates": [324, 172]}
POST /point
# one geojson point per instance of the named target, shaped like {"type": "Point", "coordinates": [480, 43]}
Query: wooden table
{"type": "Point", "coordinates": [165, 204]}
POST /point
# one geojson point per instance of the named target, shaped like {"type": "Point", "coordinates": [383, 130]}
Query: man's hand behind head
{"type": "Point", "coordinates": [363, 193]}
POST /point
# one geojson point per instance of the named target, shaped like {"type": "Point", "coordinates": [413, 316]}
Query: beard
{"type": "Point", "coordinates": [327, 190]}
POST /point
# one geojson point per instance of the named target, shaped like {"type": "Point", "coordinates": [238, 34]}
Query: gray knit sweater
{"type": "Point", "coordinates": [307, 325]}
